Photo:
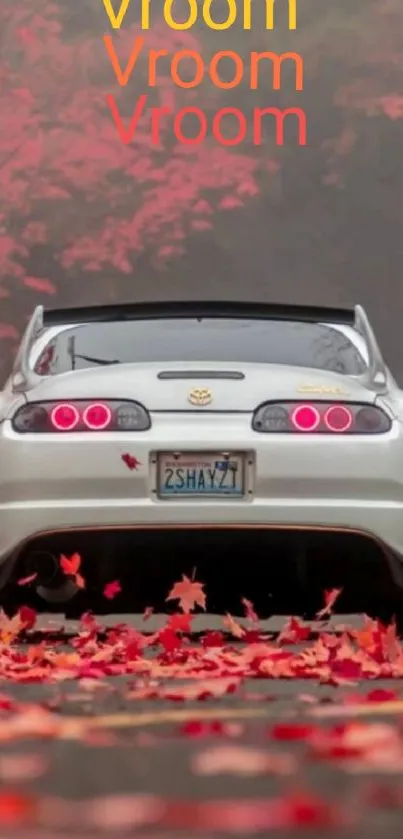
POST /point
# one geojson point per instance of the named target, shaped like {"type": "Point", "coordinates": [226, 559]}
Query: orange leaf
{"type": "Point", "coordinates": [233, 627]}
{"type": "Point", "coordinates": [330, 599]}
{"type": "Point", "coordinates": [9, 627]}
{"type": "Point", "coordinates": [189, 593]}
{"type": "Point", "coordinates": [79, 581]}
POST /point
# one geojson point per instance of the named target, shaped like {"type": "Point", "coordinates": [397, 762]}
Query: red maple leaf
{"type": "Point", "coordinates": [169, 640]}
{"type": "Point", "coordinates": [180, 623]}
{"type": "Point", "coordinates": [189, 593]}
{"type": "Point", "coordinates": [112, 589]}
{"type": "Point", "coordinates": [70, 565]}
{"type": "Point", "coordinates": [131, 461]}
{"type": "Point", "coordinates": [290, 731]}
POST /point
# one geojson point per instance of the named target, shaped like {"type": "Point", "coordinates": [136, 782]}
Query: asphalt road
{"type": "Point", "coordinates": [111, 756]}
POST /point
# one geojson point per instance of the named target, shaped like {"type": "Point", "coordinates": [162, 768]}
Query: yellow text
{"type": "Point", "coordinates": [204, 10]}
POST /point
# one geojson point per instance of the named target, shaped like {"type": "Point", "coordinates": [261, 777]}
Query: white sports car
{"type": "Point", "coordinates": [272, 433]}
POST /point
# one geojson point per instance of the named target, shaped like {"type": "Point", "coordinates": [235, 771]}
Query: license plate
{"type": "Point", "coordinates": [206, 474]}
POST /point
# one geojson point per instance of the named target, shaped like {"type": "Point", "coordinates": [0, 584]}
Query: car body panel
{"type": "Point", "coordinates": [261, 382]}
{"type": "Point", "coordinates": [53, 482]}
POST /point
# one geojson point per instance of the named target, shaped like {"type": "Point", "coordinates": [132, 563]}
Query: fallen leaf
{"type": "Point", "coordinates": [10, 628]}
{"type": "Point", "coordinates": [238, 760]}
{"type": "Point", "coordinates": [22, 767]}
{"type": "Point", "coordinates": [122, 812]}
{"type": "Point", "coordinates": [233, 626]}
{"type": "Point", "coordinates": [294, 632]}
{"type": "Point", "coordinates": [250, 816]}
{"type": "Point", "coordinates": [200, 728]}
{"type": "Point", "coordinates": [381, 695]}
{"type": "Point", "coordinates": [16, 809]}
{"type": "Point", "coordinates": [27, 617]}
{"type": "Point", "coordinates": [180, 623]}
{"type": "Point", "coordinates": [289, 731]}
{"type": "Point", "coordinates": [189, 593]}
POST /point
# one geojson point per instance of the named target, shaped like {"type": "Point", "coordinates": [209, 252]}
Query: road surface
{"type": "Point", "coordinates": [123, 753]}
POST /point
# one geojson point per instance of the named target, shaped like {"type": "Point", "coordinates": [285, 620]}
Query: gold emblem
{"type": "Point", "coordinates": [200, 396]}
{"type": "Point", "coordinates": [336, 391]}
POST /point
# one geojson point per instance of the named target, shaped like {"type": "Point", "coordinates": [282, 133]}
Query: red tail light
{"type": "Point", "coordinates": [64, 417]}
{"type": "Point", "coordinates": [320, 418]}
{"type": "Point", "coordinates": [97, 416]}
{"type": "Point", "coordinates": [81, 415]}
{"type": "Point", "coordinates": [338, 418]}
{"type": "Point", "coordinates": [305, 418]}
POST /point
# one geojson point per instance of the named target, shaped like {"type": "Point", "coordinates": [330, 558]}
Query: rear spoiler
{"type": "Point", "coordinates": [197, 309]}
{"type": "Point", "coordinates": [375, 377]}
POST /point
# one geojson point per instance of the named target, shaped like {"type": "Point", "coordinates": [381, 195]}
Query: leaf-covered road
{"type": "Point", "coordinates": [124, 733]}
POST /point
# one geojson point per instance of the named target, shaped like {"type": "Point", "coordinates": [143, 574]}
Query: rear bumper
{"type": "Point", "coordinates": [53, 484]}
{"type": "Point", "coordinates": [21, 523]}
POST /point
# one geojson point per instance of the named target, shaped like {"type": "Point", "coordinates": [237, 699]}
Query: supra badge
{"type": "Point", "coordinates": [336, 391]}
{"type": "Point", "coordinates": [200, 396]}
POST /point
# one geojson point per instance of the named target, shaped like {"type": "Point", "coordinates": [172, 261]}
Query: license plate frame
{"type": "Point", "coordinates": [232, 489]}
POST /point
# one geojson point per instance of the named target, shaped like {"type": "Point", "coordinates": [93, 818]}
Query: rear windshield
{"type": "Point", "coordinates": [233, 340]}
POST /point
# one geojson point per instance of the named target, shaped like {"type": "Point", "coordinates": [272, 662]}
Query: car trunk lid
{"type": "Point", "coordinates": [205, 386]}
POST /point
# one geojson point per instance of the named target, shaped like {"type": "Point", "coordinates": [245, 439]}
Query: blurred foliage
{"type": "Point", "coordinates": [85, 218]}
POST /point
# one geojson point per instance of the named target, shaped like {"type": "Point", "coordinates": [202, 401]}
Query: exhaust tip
{"type": "Point", "coordinates": [45, 565]}
{"type": "Point", "coordinates": [51, 584]}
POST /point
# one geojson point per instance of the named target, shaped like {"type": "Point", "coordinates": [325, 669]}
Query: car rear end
{"type": "Point", "coordinates": [265, 454]}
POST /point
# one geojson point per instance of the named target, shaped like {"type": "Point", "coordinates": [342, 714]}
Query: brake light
{"type": "Point", "coordinates": [320, 418]}
{"type": "Point", "coordinates": [81, 416]}
{"type": "Point", "coordinates": [97, 416]}
{"type": "Point", "coordinates": [64, 417]}
{"type": "Point", "coordinates": [305, 418]}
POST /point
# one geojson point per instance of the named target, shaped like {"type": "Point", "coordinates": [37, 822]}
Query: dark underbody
{"type": "Point", "coordinates": [280, 571]}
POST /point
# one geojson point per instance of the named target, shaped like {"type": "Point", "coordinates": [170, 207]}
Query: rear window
{"type": "Point", "coordinates": [275, 342]}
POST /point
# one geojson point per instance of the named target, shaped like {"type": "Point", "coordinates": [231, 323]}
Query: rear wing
{"type": "Point", "coordinates": [197, 309]}
{"type": "Point", "coordinates": [355, 317]}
